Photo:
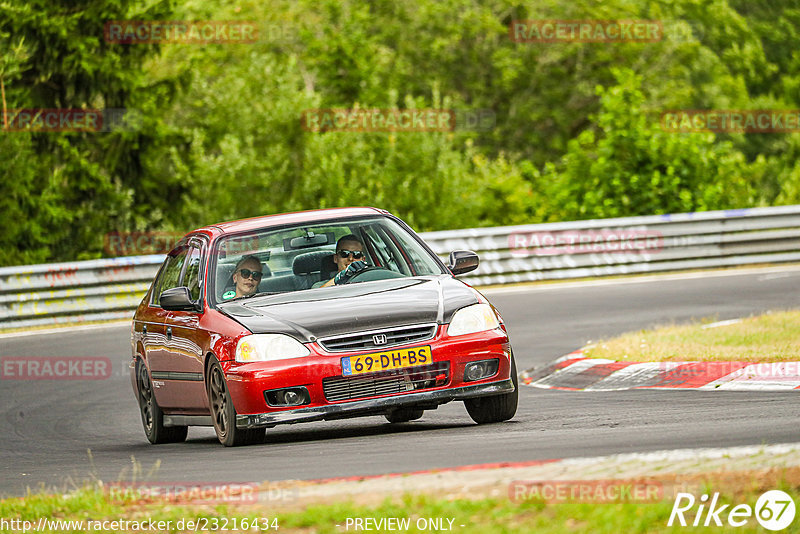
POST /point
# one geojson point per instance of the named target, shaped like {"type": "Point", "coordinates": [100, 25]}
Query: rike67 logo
{"type": "Point", "coordinates": [774, 510]}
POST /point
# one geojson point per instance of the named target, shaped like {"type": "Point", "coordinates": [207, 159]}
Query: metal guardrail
{"type": "Point", "coordinates": [683, 241]}
{"type": "Point", "coordinates": [111, 288]}
{"type": "Point", "coordinates": [56, 293]}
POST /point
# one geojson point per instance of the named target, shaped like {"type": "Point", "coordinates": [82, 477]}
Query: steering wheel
{"type": "Point", "coordinates": [369, 269]}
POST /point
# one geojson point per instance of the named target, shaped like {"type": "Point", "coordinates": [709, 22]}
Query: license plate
{"type": "Point", "coordinates": [386, 360]}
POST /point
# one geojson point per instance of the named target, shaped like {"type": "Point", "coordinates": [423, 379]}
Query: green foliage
{"type": "Point", "coordinates": [219, 134]}
{"type": "Point", "coordinates": [26, 202]}
{"type": "Point", "coordinates": [68, 189]}
{"type": "Point", "coordinates": [632, 167]}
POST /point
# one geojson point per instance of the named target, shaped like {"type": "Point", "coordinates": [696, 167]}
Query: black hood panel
{"type": "Point", "coordinates": [314, 313]}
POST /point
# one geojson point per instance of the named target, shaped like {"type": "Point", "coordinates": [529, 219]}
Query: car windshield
{"type": "Point", "coordinates": [303, 257]}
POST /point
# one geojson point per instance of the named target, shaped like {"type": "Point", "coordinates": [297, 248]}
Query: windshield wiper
{"type": "Point", "coordinates": [262, 294]}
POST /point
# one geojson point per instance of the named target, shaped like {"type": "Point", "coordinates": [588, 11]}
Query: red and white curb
{"type": "Point", "coordinates": [575, 372]}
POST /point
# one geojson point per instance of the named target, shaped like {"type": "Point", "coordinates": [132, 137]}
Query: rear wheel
{"type": "Point", "coordinates": [223, 413]}
{"type": "Point", "coordinates": [403, 415]}
{"type": "Point", "coordinates": [495, 408]}
{"type": "Point", "coordinates": [152, 416]}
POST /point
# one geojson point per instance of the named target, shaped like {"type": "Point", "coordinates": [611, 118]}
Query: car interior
{"type": "Point", "coordinates": [307, 269]}
{"type": "Point", "coordinates": [298, 258]}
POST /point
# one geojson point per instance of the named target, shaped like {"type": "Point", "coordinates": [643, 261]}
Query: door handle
{"type": "Point", "coordinates": [169, 333]}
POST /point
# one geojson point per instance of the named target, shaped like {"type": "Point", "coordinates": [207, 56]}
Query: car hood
{"type": "Point", "coordinates": [323, 312]}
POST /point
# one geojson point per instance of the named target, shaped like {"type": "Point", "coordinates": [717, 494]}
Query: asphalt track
{"type": "Point", "coordinates": [60, 433]}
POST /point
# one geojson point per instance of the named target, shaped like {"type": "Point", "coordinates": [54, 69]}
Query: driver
{"type": "Point", "coordinates": [349, 259]}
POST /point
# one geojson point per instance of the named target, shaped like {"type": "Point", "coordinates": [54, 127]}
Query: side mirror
{"type": "Point", "coordinates": [463, 261]}
{"type": "Point", "coordinates": [177, 299]}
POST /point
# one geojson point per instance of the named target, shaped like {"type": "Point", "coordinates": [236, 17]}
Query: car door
{"type": "Point", "coordinates": [158, 337]}
{"type": "Point", "coordinates": [149, 323]}
{"type": "Point", "coordinates": [184, 386]}
{"type": "Point", "coordinates": [154, 328]}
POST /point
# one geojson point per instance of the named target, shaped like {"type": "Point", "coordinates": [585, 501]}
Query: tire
{"type": "Point", "coordinates": [223, 413]}
{"type": "Point", "coordinates": [496, 408]}
{"type": "Point", "coordinates": [403, 415]}
{"type": "Point", "coordinates": [152, 416]}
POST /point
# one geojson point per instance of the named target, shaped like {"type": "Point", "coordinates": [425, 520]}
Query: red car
{"type": "Point", "coordinates": [312, 316]}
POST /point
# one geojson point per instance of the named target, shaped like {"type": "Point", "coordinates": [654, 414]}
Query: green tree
{"type": "Point", "coordinates": [220, 137]}
{"type": "Point", "coordinates": [80, 185]}
{"type": "Point", "coordinates": [628, 166]}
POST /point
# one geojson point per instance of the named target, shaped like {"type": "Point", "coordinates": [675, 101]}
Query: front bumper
{"type": "Point", "coordinates": [247, 382]}
{"type": "Point", "coordinates": [373, 406]}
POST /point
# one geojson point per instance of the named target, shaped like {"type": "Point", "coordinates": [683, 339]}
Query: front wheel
{"type": "Point", "coordinates": [223, 413]}
{"type": "Point", "coordinates": [152, 416]}
{"type": "Point", "coordinates": [496, 408]}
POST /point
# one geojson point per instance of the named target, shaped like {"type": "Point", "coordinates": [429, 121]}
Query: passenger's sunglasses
{"type": "Point", "coordinates": [247, 273]}
{"type": "Point", "coordinates": [357, 254]}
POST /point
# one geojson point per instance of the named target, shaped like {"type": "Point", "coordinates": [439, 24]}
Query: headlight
{"type": "Point", "coordinates": [475, 318]}
{"type": "Point", "coordinates": [269, 347]}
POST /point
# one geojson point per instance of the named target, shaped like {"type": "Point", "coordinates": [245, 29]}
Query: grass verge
{"type": "Point", "coordinates": [765, 338]}
{"type": "Point", "coordinates": [467, 515]}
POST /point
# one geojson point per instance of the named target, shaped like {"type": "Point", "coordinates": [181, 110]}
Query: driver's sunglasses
{"type": "Point", "coordinates": [357, 254]}
{"type": "Point", "coordinates": [247, 273]}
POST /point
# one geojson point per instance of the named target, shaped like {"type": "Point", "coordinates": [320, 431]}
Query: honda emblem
{"type": "Point", "coordinates": [379, 339]}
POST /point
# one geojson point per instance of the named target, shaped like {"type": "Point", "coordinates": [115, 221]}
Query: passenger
{"type": "Point", "coordinates": [246, 276]}
{"type": "Point", "coordinates": [349, 259]}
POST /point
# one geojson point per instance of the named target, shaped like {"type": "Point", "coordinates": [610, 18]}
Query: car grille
{"type": "Point", "coordinates": [339, 388]}
{"type": "Point", "coordinates": [365, 340]}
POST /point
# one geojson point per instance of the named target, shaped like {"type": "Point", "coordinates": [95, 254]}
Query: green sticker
{"type": "Point", "coordinates": [228, 295]}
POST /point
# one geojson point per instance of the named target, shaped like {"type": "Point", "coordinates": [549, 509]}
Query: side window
{"type": "Point", "coordinates": [386, 251]}
{"type": "Point", "coordinates": [157, 283]}
{"type": "Point", "coordinates": [192, 277]}
{"type": "Point", "coordinates": [171, 275]}
{"type": "Point", "coordinates": [410, 254]}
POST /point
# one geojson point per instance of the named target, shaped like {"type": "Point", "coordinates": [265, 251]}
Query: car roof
{"type": "Point", "coordinates": [310, 216]}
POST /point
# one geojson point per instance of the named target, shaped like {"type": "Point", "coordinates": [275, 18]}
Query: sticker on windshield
{"type": "Point", "coordinates": [228, 295]}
